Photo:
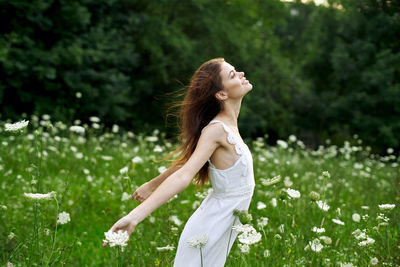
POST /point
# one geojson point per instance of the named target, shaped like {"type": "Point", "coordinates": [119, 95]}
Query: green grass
{"type": "Point", "coordinates": [89, 187]}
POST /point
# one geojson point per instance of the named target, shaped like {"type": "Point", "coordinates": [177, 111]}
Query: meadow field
{"type": "Point", "coordinates": [334, 206]}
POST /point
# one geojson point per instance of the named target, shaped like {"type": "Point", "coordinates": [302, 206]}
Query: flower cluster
{"type": "Point", "coordinates": [63, 218]}
{"type": "Point", "coordinates": [119, 238]}
{"type": "Point", "coordinates": [39, 197]}
{"type": "Point", "coordinates": [14, 127]}
{"type": "Point", "coordinates": [198, 241]}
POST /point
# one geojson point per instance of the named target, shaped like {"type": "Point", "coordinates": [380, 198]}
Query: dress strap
{"type": "Point", "coordinates": [231, 137]}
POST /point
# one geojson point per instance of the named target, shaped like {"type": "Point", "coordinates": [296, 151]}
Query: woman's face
{"type": "Point", "coordinates": [234, 82]}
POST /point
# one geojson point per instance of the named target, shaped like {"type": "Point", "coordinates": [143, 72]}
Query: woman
{"type": "Point", "coordinates": [211, 148]}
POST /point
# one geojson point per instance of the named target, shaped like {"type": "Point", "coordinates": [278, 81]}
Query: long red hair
{"type": "Point", "coordinates": [196, 110]}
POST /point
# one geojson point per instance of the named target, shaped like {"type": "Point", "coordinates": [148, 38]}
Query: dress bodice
{"type": "Point", "coordinates": [237, 180]}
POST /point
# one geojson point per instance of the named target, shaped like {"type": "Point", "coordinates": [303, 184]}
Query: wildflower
{"type": "Point", "coordinates": [326, 174]}
{"type": "Point", "coordinates": [318, 230]}
{"type": "Point", "coordinates": [266, 253]}
{"type": "Point", "coordinates": [374, 261]}
{"type": "Point", "coordinates": [125, 196]}
{"type": "Point", "coordinates": [316, 245]}
{"type": "Point", "coordinates": [123, 170]}
{"type": "Point", "coordinates": [314, 196]}
{"type": "Point", "coordinates": [119, 238]}
{"type": "Point", "coordinates": [244, 216]}
{"type": "Point", "coordinates": [151, 138]}
{"type": "Point", "coordinates": [14, 127]}
{"type": "Point", "coordinates": [356, 217]}
{"type": "Point", "coordinates": [162, 169]}
{"type": "Point", "coordinates": [273, 202]}
{"type": "Point", "coordinates": [262, 222]}
{"type": "Point", "coordinates": [168, 247]}
{"type": "Point", "coordinates": [137, 159]}
{"type": "Point", "coordinates": [11, 236]}
{"type": "Point", "coordinates": [198, 241]}
{"type": "Point", "coordinates": [287, 182]}
{"type": "Point", "coordinates": [175, 220]}
{"type": "Point", "coordinates": [94, 119]}
{"type": "Point", "coordinates": [63, 218]}
{"type": "Point", "coordinates": [386, 206]}
{"type": "Point", "coordinates": [38, 196]}
{"type": "Point", "coordinates": [261, 205]}
{"type": "Point", "coordinates": [368, 241]}
{"type": "Point", "coordinates": [365, 207]}
{"type": "Point", "coordinates": [271, 181]}
{"type": "Point", "coordinates": [77, 129]}
{"type": "Point", "coordinates": [115, 128]}
{"type": "Point", "coordinates": [292, 138]}
{"type": "Point", "coordinates": [249, 237]}
{"type": "Point", "coordinates": [322, 205]}
{"type": "Point", "coordinates": [327, 240]}
{"type": "Point", "coordinates": [244, 248]}
{"type": "Point", "coordinates": [158, 148]}
{"type": "Point", "coordinates": [78, 95]}
{"type": "Point", "coordinates": [107, 158]}
{"type": "Point", "coordinates": [281, 228]}
{"type": "Point", "coordinates": [282, 144]}
{"type": "Point", "coordinates": [293, 193]}
{"type": "Point", "coordinates": [337, 221]}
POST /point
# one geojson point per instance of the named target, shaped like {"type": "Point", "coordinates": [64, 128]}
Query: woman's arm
{"type": "Point", "coordinates": [146, 189]}
{"type": "Point", "coordinates": [209, 140]}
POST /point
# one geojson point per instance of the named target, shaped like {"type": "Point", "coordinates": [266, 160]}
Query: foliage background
{"type": "Point", "coordinates": [317, 72]}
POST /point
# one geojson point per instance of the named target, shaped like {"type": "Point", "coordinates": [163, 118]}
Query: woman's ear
{"type": "Point", "coordinates": [221, 95]}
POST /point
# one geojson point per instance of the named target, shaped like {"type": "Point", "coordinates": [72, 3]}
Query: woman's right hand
{"type": "Point", "coordinates": [143, 192]}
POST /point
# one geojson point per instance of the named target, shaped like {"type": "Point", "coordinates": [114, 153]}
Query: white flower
{"type": "Point", "coordinates": [162, 169]}
{"type": "Point", "coordinates": [125, 196]}
{"type": "Point", "coordinates": [63, 218]}
{"type": "Point", "coordinates": [271, 181]}
{"type": "Point", "coordinates": [94, 119]}
{"type": "Point", "coordinates": [386, 206]}
{"type": "Point", "coordinates": [244, 248]}
{"type": "Point", "coordinates": [273, 202]}
{"type": "Point", "coordinates": [16, 126]}
{"type": "Point", "coordinates": [368, 241]}
{"type": "Point", "coordinates": [198, 241]}
{"type": "Point", "coordinates": [151, 138]}
{"type": "Point", "coordinates": [168, 247]}
{"type": "Point", "coordinates": [282, 144]}
{"type": "Point", "coordinates": [115, 128]}
{"type": "Point", "coordinates": [248, 235]}
{"type": "Point", "coordinates": [37, 196]}
{"type": "Point", "coordinates": [327, 240]}
{"type": "Point", "coordinates": [77, 129]}
{"type": "Point", "coordinates": [318, 230]}
{"type": "Point", "coordinates": [287, 182]}
{"type": "Point", "coordinates": [293, 193]}
{"type": "Point", "coordinates": [137, 159]}
{"type": "Point", "coordinates": [123, 170]}
{"type": "Point", "coordinates": [175, 220]}
{"type": "Point", "coordinates": [374, 261]}
{"type": "Point", "coordinates": [266, 253]}
{"type": "Point", "coordinates": [158, 148]}
{"type": "Point", "coordinates": [326, 174]}
{"type": "Point", "coordinates": [322, 205]}
{"type": "Point", "coordinates": [316, 245]}
{"type": "Point", "coordinates": [356, 217]}
{"type": "Point", "coordinates": [389, 151]}
{"type": "Point", "coordinates": [108, 158]}
{"type": "Point", "coordinates": [262, 222]}
{"type": "Point", "coordinates": [292, 138]}
{"type": "Point", "coordinates": [337, 221]}
{"type": "Point", "coordinates": [261, 205]}
{"type": "Point", "coordinates": [116, 239]}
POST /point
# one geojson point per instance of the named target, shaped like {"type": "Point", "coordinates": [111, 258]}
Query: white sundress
{"type": "Point", "coordinates": [232, 189]}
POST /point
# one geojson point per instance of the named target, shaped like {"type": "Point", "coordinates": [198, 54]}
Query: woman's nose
{"type": "Point", "coordinates": [242, 74]}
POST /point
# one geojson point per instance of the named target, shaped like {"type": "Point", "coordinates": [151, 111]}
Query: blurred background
{"type": "Point", "coordinates": [320, 70]}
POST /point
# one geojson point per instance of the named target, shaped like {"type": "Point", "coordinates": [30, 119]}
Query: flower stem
{"type": "Point", "coordinates": [201, 257]}
{"type": "Point", "coordinates": [55, 234]}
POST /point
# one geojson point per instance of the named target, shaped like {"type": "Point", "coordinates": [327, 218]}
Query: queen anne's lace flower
{"type": "Point", "coordinates": [117, 239]}
{"type": "Point", "coordinates": [198, 241]}
{"type": "Point", "coordinates": [38, 196]}
{"type": "Point", "coordinates": [77, 129]}
{"type": "Point", "coordinates": [386, 206]}
{"type": "Point", "coordinates": [13, 127]}
{"type": "Point", "coordinates": [316, 245]}
{"type": "Point", "coordinates": [248, 235]}
{"type": "Point", "coordinates": [293, 193]}
{"type": "Point", "coordinates": [63, 218]}
{"type": "Point", "coordinates": [322, 205]}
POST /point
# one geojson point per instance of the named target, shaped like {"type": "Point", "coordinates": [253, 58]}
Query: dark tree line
{"type": "Point", "coordinates": [317, 72]}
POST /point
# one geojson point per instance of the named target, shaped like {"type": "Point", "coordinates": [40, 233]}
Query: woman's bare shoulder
{"type": "Point", "coordinates": [213, 132]}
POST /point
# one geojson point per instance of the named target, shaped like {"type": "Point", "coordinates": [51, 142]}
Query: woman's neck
{"type": "Point", "coordinates": [230, 113]}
